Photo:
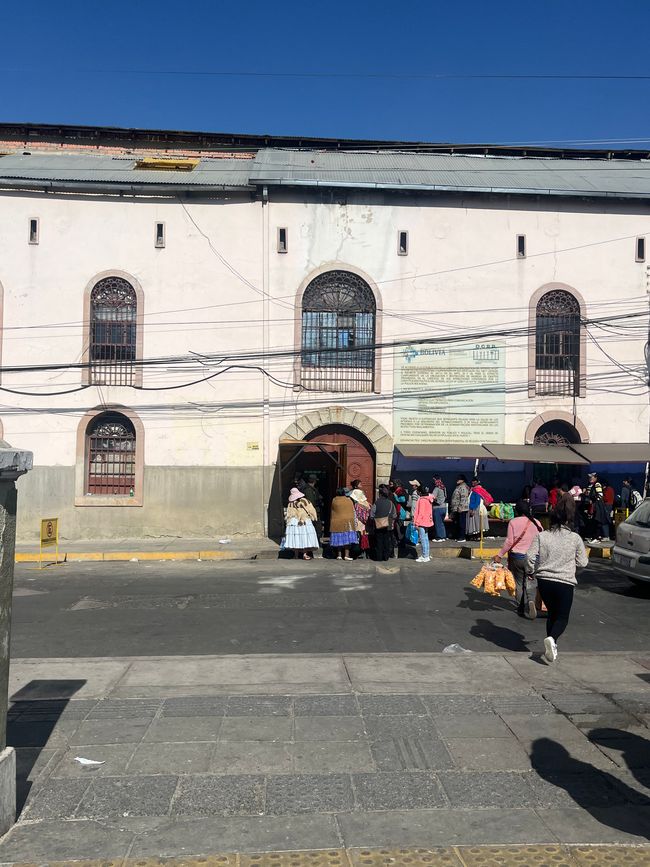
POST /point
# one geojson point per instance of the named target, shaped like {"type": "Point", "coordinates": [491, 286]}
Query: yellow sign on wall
{"type": "Point", "coordinates": [49, 532]}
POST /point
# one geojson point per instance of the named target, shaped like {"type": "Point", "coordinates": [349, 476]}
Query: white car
{"type": "Point", "coordinates": [631, 553]}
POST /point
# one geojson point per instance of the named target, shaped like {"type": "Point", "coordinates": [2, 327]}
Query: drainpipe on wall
{"type": "Point", "coordinates": [266, 385]}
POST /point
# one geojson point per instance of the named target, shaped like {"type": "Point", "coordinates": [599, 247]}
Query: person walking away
{"type": "Point", "coordinates": [383, 513]}
{"type": "Point", "coordinates": [522, 529]}
{"type": "Point", "coordinates": [423, 519]}
{"type": "Point", "coordinates": [555, 493]}
{"type": "Point", "coordinates": [439, 495]}
{"type": "Point", "coordinates": [567, 502]}
{"type": "Point", "coordinates": [300, 534]}
{"type": "Point", "coordinates": [477, 516]}
{"type": "Point", "coordinates": [342, 525]}
{"type": "Point", "coordinates": [553, 556]}
{"type": "Point", "coordinates": [538, 499]}
{"type": "Point", "coordinates": [599, 523]}
{"type": "Point", "coordinates": [316, 499]}
{"type": "Point", "coordinates": [459, 508]}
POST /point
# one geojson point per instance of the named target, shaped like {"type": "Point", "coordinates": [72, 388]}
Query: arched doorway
{"type": "Point", "coordinates": [357, 458]}
{"type": "Point", "coordinates": [336, 431]}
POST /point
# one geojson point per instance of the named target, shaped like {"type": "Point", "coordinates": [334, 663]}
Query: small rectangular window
{"type": "Point", "coordinates": [640, 249]}
{"type": "Point", "coordinates": [283, 241]}
{"type": "Point", "coordinates": [160, 235]}
{"type": "Point", "coordinates": [402, 243]}
{"type": "Point", "coordinates": [33, 230]}
{"type": "Point", "coordinates": [521, 246]}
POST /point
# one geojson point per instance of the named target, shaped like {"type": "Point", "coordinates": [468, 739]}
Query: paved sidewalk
{"type": "Point", "coordinates": [211, 755]}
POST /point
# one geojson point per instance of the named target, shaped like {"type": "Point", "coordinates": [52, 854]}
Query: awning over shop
{"type": "Point", "coordinates": [536, 454]}
{"type": "Point", "coordinates": [614, 453]}
{"type": "Point", "coordinates": [441, 451]}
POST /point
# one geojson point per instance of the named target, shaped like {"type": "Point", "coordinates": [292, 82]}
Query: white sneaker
{"type": "Point", "coordinates": [426, 559]}
{"type": "Point", "coordinates": [421, 560]}
{"type": "Point", "coordinates": [550, 649]}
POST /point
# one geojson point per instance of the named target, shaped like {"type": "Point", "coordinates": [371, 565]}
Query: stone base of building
{"type": "Point", "coordinates": [198, 502]}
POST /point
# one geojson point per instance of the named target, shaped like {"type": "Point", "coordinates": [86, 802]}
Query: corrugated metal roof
{"type": "Point", "coordinates": [381, 170]}
{"type": "Point", "coordinates": [399, 170]}
{"type": "Point", "coordinates": [90, 169]}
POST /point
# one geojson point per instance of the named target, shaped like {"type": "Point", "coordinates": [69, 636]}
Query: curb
{"type": "Point", "coordinates": [126, 556]}
{"type": "Point", "coordinates": [464, 552]}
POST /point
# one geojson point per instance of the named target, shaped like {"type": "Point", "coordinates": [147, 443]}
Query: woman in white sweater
{"type": "Point", "coordinates": [554, 555]}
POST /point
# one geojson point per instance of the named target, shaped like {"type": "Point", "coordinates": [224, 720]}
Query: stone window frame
{"type": "Point", "coordinates": [379, 309]}
{"type": "Point", "coordinates": [139, 326]}
{"type": "Point", "coordinates": [81, 463]}
{"type": "Point", "coordinates": [532, 340]}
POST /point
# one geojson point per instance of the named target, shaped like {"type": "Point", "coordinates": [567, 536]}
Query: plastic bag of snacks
{"type": "Point", "coordinates": [494, 578]}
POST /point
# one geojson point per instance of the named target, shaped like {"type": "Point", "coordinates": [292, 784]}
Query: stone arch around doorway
{"type": "Point", "coordinates": [566, 418]}
{"type": "Point", "coordinates": [376, 433]}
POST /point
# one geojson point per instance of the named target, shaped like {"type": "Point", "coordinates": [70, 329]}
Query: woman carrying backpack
{"type": "Point", "coordinates": [522, 529]}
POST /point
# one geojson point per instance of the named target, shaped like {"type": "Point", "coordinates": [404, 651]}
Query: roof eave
{"type": "Point", "coordinates": [510, 191]}
{"type": "Point", "coordinates": [43, 185]}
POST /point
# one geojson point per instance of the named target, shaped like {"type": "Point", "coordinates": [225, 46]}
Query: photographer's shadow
{"type": "Point", "coordinates": [609, 800]}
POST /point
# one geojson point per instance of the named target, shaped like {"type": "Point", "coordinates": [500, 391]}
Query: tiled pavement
{"type": "Point", "coordinates": [220, 773]}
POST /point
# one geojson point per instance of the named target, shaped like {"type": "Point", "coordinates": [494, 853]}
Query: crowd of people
{"type": "Point", "coordinates": [404, 516]}
{"type": "Point", "coordinates": [399, 517]}
{"type": "Point", "coordinates": [590, 506]}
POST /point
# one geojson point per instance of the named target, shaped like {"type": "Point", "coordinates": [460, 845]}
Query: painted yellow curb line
{"type": "Point", "coordinates": [34, 557]}
{"type": "Point", "coordinates": [464, 552]}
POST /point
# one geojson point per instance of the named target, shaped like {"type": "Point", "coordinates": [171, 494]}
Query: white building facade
{"type": "Point", "coordinates": [176, 322]}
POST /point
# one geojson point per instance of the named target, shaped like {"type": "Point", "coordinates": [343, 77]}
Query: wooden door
{"type": "Point", "coordinates": [360, 454]}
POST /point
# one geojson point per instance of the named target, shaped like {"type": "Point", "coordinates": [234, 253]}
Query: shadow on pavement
{"type": "Point", "coordinates": [634, 750]}
{"type": "Point", "coordinates": [590, 788]}
{"type": "Point", "coordinates": [604, 578]}
{"type": "Point", "coordinates": [499, 635]}
{"type": "Point", "coordinates": [476, 600]}
{"type": "Point", "coordinates": [35, 711]}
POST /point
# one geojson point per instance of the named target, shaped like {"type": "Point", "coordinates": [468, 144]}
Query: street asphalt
{"type": "Point", "coordinates": [324, 606]}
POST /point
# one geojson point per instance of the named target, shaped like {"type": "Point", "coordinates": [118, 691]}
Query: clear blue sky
{"type": "Point", "coordinates": [78, 62]}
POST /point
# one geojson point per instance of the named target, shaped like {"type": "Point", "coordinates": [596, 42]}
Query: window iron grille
{"type": "Point", "coordinates": [338, 333]}
{"type": "Point", "coordinates": [111, 456]}
{"type": "Point", "coordinates": [557, 344]}
{"type": "Point", "coordinates": [113, 312]}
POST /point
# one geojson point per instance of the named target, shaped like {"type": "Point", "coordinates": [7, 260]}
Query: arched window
{"type": "Point", "coordinates": [110, 456]}
{"type": "Point", "coordinates": [113, 314]}
{"type": "Point", "coordinates": [557, 344]}
{"type": "Point", "coordinates": [338, 333]}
